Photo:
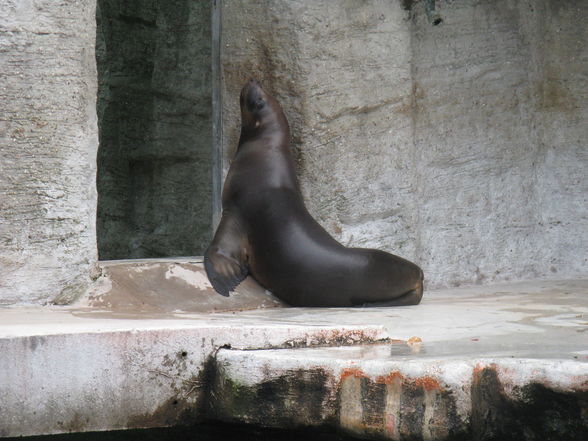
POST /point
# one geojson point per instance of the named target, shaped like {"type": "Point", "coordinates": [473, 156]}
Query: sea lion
{"type": "Point", "coordinates": [267, 232]}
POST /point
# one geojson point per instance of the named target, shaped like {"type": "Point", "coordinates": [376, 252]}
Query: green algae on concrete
{"type": "Point", "coordinates": [303, 393]}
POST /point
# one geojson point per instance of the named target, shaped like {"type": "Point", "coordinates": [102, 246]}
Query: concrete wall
{"type": "Point", "coordinates": [460, 146]}
{"type": "Point", "coordinates": [500, 130]}
{"type": "Point", "coordinates": [155, 116]}
{"type": "Point", "coordinates": [342, 73]}
{"type": "Point", "coordinates": [48, 142]}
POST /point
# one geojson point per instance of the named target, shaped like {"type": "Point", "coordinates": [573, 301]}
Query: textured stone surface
{"type": "Point", "coordinates": [460, 146]}
{"type": "Point", "coordinates": [500, 133]}
{"type": "Point", "coordinates": [48, 142]}
{"type": "Point", "coordinates": [154, 105]}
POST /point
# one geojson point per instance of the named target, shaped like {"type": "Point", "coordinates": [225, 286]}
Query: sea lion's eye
{"type": "Point", "coordinates": [259, 104]}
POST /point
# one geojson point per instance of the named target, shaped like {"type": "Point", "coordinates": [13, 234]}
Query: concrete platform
{"type": "Point", "coordinates": [66, 370]}
{"type": "Point", "coordinates": [158, 286]}
{"type": "Point", "coordinates": [478, 363]}
{"type": "Point", "coordinates": [502, 362]}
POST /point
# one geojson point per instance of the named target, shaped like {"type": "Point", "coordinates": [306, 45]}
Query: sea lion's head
{"type": "Point", "coordinates": [256, 106]}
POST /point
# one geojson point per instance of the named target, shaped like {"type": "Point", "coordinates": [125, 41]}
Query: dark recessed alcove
{"type": "Point", "coordinates": [155, 127]}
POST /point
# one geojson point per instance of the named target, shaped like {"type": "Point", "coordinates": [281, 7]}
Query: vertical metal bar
{"type": "Point", "coordinates": [217, 121]}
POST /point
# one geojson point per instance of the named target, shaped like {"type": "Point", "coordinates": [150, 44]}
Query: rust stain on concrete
{"type": "Point", "coordinates": [427, 383]}
{"type": "Point", "coordinates": [395, 405]}
{"type": "Point", "coordinates": [352, 372]}
{"type": "Point", "coordinates": [390, 378]}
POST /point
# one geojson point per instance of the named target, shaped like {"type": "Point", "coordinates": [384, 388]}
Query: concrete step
{"type": "Point", "coordinates": [67, 370]}
{"type": "Point", "coordinates": [380, 391]}
{"type": "Point", "coordinates": [467, 363]}
{"type": "Point", "coordinates": [500, 362]}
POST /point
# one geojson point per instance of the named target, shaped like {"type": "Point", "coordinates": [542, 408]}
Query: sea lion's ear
{"type": "Point", "coordinates": [225, 260]}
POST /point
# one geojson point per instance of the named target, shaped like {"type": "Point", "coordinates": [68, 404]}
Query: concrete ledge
{"type": "Point", "coordinates": [497, 362]}
{"type": "Point", "coordinates": [370, 391]}
{"type": "Point", "coordinates": [64, 370]}
{"type": "Point", "coordinates": [504, 362]}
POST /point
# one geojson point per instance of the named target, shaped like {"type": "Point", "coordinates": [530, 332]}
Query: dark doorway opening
{"type": "Point", "coordinates": [155, 126]}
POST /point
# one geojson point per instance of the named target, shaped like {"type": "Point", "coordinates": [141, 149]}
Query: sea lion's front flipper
{"type": "Point", "coordinates": [225, 260]}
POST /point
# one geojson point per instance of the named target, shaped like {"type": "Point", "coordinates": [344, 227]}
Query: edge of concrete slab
{"type": "Point", "coordinates": [418, 398]}
{"type": "Point", "coordinates": [92, 373]}
{"type": "Point", "coordinates": [477, 362]}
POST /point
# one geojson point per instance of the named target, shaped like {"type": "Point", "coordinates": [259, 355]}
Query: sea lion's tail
{"type": "Point", "coordinates": [410, 298]}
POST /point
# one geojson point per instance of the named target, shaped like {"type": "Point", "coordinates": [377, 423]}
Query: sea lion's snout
{"type": "Point", "coordinates": [253, 100]}
{"type": "Point", "coordinates": [251, 86]}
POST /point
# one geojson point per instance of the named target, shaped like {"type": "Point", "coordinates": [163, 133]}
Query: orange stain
{"type": "Point", "coordinates": [388, 379]}
{"type": "Point", "coordinates": [352, 372]}
{"type": "Point", "coordinates": [427, 383]}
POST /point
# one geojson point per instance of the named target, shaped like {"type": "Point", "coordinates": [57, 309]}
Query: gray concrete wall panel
{"type": "Point", "coordinates": [48, 142]}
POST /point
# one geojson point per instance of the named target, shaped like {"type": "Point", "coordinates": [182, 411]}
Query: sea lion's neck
{"type": "Point", "coordinates": [274, 129]}
{"type": "Point", "coordinates": [265, 151]}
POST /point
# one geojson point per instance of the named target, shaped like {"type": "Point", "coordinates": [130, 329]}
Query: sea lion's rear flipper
{"type": "Point", "coordinates": [225, 260]}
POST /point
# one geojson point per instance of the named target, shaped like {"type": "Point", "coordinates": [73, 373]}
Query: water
{"type": "Point", "coordinates": [201, 432]}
